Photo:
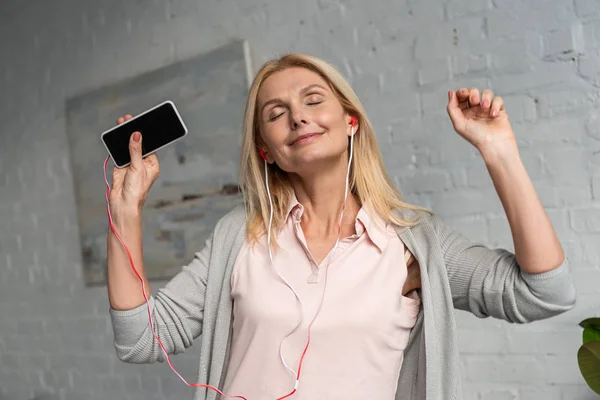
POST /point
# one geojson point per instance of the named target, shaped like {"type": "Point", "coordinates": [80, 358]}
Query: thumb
{"type": "Point", "coordinates": [135, 150]}
{"type": "Point", "coordinates": [454, 111]}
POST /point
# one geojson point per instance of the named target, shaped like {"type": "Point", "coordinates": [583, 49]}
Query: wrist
{"type": "Point", "coordinates": [125, 213]}
{"type": "Point", "coordinates": [506, 153]}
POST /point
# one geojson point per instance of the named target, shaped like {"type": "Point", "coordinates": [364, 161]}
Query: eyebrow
{"type": "Point", "coordinates": [304, 90]}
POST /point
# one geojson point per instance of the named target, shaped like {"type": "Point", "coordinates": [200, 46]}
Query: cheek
{"type": "Point", "coordinates": [335, 126]}
{"type": "Point", "coordinates": [272, 134]}
{"type": "Point", "coordinates": [331, 118]}
{"type": "Point", "coordinates": [326, 115]}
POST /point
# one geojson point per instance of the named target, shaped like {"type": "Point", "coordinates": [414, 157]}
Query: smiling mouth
{"type": "Point", "coordinates": [306, 138]}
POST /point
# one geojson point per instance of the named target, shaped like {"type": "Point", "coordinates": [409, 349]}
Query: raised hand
{"type": "Point", "coordinates": [481, 119]}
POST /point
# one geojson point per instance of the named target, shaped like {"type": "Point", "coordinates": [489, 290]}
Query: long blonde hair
{"type": "Point", "coordinates": [368, 180]}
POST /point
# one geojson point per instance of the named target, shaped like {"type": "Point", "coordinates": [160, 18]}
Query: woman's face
{"type": "Point", "coordinates": [302, 124]}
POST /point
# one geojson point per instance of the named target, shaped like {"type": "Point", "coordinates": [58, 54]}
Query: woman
{"type": "Point", "coordinates": [324, 237]}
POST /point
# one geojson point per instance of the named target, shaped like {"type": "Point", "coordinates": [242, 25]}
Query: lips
{"type": "Point", "coordinates": [305, 137]}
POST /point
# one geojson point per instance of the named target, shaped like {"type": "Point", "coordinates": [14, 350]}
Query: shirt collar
{"type": "Point", "coordinates": [370, 222]}
{"type": "Point", "coordinates": [295, 209]}
{"type": "Point", "coordinates": [374, 225]}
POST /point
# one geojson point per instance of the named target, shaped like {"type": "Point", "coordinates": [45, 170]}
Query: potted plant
{"type": "Point", "coordinates": [588, 355]}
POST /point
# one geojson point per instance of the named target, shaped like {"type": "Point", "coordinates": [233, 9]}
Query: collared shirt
{"type": "Point", "coordinates": [358, 338]}
{"type": "Point", "coordinates": [195, 307]}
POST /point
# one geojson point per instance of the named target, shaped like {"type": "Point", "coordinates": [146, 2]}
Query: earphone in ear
{"type": "Point", "coordinates": [296, 373]}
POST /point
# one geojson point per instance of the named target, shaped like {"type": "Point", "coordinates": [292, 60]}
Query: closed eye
{"type": "Point", "coordinates": [276, 116]}
{"type": "Point", "coordinates": [313, 99]}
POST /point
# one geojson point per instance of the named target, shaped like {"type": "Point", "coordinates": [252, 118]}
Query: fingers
{"type": "Point", "coordinates": [454, 110]}
{"type": "Point", "coordinates": [486, 98]}
{"type": "Point", "coordinates": [463, 95]}
{"type": "Point", "coordinates": [152, 159]}
{"type": "Point", "coordinates": [472, 97]}
{"type": "Point", "coordinates": [469, 96]}
{"type": "Point", "coordinates": [497, 106]}
{"type": "Point", "coordinates": [152, 166]}
{"type": "Point", "coordinates": [135, 145]}
{"type": "Point", "coordinates": [120, 120]}
{"type": "Point", "coordinates": [135, 151]}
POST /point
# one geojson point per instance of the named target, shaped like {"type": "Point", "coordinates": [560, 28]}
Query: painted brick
{"type": "Point", "coordinates": [587, 8]}
{"type": "Point", "coordinates": [585, 220]}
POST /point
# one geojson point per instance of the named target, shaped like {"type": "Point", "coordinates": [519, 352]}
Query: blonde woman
{"type": "Point", "coordinates": [326, 284]}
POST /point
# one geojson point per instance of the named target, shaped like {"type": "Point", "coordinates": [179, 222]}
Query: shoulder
{"type": "Point", "coordinates": [232, 222]}
{"type": "Point", "coordinates": [420, 222]}
{"type": "Point", "coordinates": [229, 233]}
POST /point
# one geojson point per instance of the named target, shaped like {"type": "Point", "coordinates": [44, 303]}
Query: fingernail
{"type": "Point", "coordinates": [449, 94]}
{"type": "Point", "coordinates": [486, 104]}
{"type": "Point", "coordinates": [136, 136]}
{"type": "Point", "coordinates": [494, 113]}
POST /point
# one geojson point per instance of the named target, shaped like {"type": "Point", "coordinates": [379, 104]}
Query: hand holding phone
{"type": "Point", "coordinates": [161, 125]}
{"type": "Point", "coordinates": [136, 164]}
{"type": "Point", "coordinates": [131, 184]}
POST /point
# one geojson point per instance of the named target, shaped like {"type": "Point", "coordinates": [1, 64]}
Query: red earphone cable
{"type": "Point", "coordinates": [110, 220]}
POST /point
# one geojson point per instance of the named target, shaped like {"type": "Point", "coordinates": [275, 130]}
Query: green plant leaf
{"type": "Point", "coordinates": [591, 323]}
{"type": "Point", "coordinates": [590, 335]}
{"type": "Point", "coordinates": [588, 358]}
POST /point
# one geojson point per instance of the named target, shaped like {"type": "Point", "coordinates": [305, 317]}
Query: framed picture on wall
{"type": "Point", "coordinates": [199, 173]}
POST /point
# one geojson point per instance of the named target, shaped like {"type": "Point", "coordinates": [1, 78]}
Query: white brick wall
{"type": "Point", "coordinates": [402, 57]}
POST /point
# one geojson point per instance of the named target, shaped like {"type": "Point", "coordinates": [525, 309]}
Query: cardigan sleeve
{"type": "Point", "coordinates": [177, 312]}
{"type": "Point", "coordinates": [489, 282]}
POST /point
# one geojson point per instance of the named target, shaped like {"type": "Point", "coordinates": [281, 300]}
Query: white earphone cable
{"type": "Point", "coordinates": [329, 256]}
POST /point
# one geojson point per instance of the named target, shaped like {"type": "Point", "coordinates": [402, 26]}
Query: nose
{"type": "Point", "coordinates": [297, 118]}
{"type": "Point", "coordinates": [296, 124]}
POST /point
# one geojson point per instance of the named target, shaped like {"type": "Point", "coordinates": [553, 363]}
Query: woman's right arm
{"type": "Point", "coordinates": [176, 310]}
{"type": "Point", "coordinates": [128, 192]}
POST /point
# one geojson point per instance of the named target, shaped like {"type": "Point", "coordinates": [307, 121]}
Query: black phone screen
{"type": "Point", "coordinates": [159, 127]}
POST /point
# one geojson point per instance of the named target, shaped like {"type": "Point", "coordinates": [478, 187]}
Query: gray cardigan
{"type": "Point", "coordinates": [455, 273]}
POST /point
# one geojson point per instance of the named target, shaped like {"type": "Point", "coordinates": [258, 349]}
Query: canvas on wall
{"type": "Point", "coordinates": [199, 173]}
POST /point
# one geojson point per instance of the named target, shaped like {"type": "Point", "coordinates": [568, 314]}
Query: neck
{"type": "Point", "coordinates": [322, 196]}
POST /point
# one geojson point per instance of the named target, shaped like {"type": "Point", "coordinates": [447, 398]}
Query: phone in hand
{"type": "Point", "coordinates": [160, 126]}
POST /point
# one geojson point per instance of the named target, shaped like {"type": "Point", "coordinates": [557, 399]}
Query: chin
{"type": "Point", "coordinates": [314, 161]}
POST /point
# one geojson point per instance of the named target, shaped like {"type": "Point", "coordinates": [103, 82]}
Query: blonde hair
{"type": "Point", "coordinates": [368, 180]}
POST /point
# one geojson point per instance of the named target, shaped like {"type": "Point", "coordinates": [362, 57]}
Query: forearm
{"type": "Point", "coordinates": [124, 287]}
{"type": "Point", "coordinates": [537, 248]}
{"type": "Point", "coordinates": [176, 309]}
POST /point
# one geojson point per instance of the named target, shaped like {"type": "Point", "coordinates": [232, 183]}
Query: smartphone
{"type": "Point", "coordinates": [160, 126]}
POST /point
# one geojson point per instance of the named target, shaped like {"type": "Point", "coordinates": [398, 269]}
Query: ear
{"type": "Point", "coordinates": [264, 154]}
{"type": "Point", "coordinates": [353, 122]}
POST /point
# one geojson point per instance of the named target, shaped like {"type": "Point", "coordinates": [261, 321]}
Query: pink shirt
{"type": "Point", "coordinates": [358, 338]}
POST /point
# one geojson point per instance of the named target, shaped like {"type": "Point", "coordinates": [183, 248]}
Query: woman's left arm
{"type": "Point", "coordinates": [483, 121]}
{"type": "Point", "coordinates": [535, 282]}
